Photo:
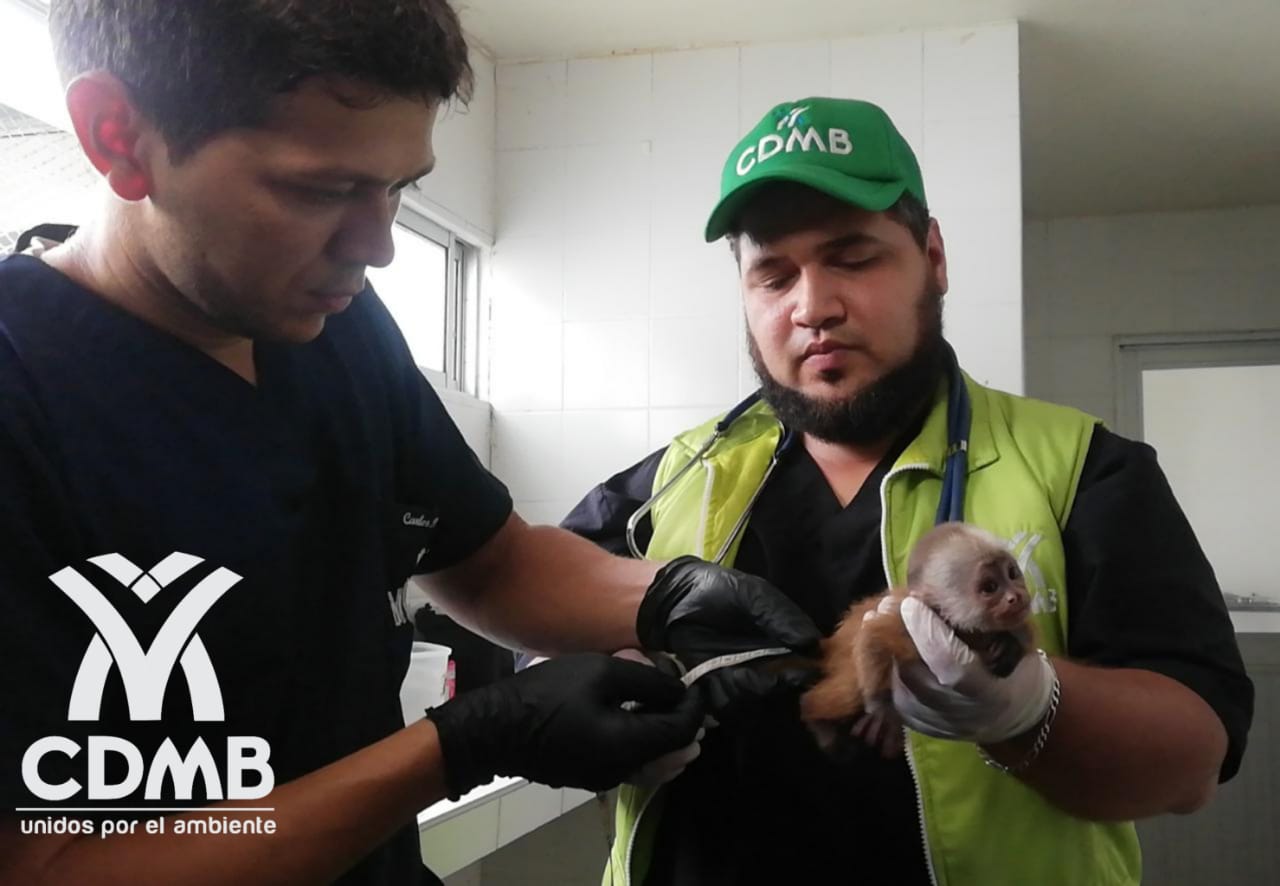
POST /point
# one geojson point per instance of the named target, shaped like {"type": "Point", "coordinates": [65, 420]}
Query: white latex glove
{"type": "Point", "coordinates": [951, 694]}
{"type": "Point", "coordinates": [666, 768]}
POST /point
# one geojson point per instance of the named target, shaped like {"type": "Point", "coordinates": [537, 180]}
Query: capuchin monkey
{"type": "Point", "coordinates": [964, 574]}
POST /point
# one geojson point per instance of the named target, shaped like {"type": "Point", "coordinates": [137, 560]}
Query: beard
{"type": "Point", "coordinates": [878, 411]}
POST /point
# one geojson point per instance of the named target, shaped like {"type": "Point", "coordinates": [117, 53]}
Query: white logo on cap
{"type": "Point", "coordinates": [791, 118]}
{"type": "Point", "coordinates": [802, 138]}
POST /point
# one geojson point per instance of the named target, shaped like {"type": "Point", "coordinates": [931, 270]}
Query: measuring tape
{"type": "Point", "coordinates": [688, 678]}
{"type": "Point", "coordinates": [691, 676]}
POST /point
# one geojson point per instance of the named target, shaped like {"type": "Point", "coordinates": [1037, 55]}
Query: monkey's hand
{"type": "Point", "coordinates": [950, 693]}
{"type": "Point", "coordinates": [881, 727]}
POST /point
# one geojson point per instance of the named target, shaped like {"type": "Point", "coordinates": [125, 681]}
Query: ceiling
{"type": "Point", "coordinates": [1127, 105]}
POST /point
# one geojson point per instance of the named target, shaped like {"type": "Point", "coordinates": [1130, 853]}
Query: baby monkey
{"type": "Point", "coordinates": [964, 574]}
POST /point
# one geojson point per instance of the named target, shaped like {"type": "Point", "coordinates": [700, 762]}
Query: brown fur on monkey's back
{"type": "Point", "coordinates": [849, 674]}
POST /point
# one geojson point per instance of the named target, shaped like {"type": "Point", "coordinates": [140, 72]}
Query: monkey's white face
{"type": "Point", "coordinates": [999, 586]}
{"type": "Point", "coordinates": [988, 594]}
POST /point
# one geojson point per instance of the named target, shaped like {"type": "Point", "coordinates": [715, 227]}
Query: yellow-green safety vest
{"type": "Point", "coordinates": [981, 827]}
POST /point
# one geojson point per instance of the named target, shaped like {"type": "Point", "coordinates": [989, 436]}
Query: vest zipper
{"type": "Point", "coordinates": [707, 488]}
{"type": "Point", "coordinates": [631, 841]}
{"type": "Point", "coordinates": [924, 833]}
{"type": "Point", "coordinates": [906, 737]}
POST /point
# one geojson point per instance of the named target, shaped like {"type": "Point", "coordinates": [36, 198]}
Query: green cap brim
{"type": "Point", "coordinates": [868, 195]}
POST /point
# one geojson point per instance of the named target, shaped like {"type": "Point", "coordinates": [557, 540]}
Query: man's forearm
{"type": "Point", "coordinates": [1126, 744]}
{"type": "Point", "coordinates": [543, 589]}
{"type": "Point", "coordinates": [325, 822]}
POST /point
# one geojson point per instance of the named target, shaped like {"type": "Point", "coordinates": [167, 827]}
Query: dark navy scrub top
{"type": "Point", "coordinates": [323, 488]}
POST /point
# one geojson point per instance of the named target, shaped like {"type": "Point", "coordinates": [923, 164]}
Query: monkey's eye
{"type": "Point", "coordinates": [1013, 572]}
{"type": "Point", "coordinates": [988, 587]}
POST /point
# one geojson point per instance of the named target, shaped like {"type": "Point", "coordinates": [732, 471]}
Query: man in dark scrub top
{"type": "Point", "coordinates": [219, 465]}
{"type": "Point", "coordinates": [843, 273]}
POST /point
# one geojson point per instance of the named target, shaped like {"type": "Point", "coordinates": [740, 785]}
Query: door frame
{"type": "Point", "coordinates": [1137, 353]}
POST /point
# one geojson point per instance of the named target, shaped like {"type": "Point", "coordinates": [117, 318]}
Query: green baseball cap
{"type": "Point", "coordinates": [842, 147]}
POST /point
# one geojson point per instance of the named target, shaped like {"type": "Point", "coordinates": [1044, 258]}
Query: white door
{"type": "Point", "coordinates": [1211, 409]}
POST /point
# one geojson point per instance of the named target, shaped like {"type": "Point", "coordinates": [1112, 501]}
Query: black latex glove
{"type": "Point", "coordinates": [697, 611]}
{"type": "Point", "coordinates": [561, 723]}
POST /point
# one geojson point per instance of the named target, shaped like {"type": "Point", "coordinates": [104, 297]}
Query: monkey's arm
{"type": "Point", "coordinates": [1125, 744]}
{"type": "Point", "coordinates": [852, 698]}
{"type": "Point", "coordinates": [838, 694]}
{"type": "Point", "coordinates": [1004, 653]}
{"type": "Point", "coordinates": [883, 641]}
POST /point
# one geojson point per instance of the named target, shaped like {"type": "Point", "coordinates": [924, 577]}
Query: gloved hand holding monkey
{"type": "Point", "coordinates": [952, 655]}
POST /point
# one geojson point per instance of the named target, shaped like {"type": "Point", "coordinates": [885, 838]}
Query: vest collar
{"type": "Point", "coordinates": [929, 449]}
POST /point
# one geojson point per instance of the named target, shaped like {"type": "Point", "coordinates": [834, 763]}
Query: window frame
{"type": "Point", "coordinates": [461, 303]}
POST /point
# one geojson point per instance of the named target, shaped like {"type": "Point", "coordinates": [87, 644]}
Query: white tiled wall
{"type": "Point", "coordinates": [1091, 279]}
{"type": "Point", "coordinates": [615, 325]}
{"type": "Point", "coordinates": [460, 194]}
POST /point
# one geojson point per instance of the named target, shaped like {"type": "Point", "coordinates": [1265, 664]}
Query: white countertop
{"type": "Point", "coordinates": [456, 833]}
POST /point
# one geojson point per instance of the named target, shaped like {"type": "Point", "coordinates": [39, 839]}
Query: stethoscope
{"type": "Point", "coordinates": [955, 469]}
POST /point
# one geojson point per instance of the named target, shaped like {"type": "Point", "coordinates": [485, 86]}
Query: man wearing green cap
{"type": "Point", "coordinates": [865, 435]}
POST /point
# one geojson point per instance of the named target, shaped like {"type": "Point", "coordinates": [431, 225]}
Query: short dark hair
{"type": "Point", "coordinates": [778, 208]}
{"type": "Point", "coordinates": [196, 68]}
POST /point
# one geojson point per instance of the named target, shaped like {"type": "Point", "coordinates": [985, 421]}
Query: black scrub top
{"type": "Point", "coordinates": [322, 489]}
{"type": "Point", "coordinates": [763, 805]}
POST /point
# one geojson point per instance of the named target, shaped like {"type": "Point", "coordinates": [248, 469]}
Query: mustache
{"type": "Point", "coordinates": [828, 345]}
{"type": "Point", "coordinates": [881, 409]}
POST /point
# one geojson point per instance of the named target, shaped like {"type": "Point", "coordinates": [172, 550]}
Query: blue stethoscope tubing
{"type": "Point", "coordinates": [954, 474]}
{"type": "Point", "coordinates": [955, 471]}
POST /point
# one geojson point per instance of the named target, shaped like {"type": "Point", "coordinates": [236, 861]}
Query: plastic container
{"type": "Point", "coordinates": [426, 682]}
